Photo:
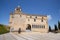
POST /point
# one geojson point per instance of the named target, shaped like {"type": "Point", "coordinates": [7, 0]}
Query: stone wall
{"type": "Point", "coordinates": [20, 20]}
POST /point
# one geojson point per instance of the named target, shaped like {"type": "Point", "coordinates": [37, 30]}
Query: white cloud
{"type": "Point", "coordinates": [49, 17]}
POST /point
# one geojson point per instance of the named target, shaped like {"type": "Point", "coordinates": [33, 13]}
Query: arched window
{"type": "Point", "coordinates": [42, 20]}
{"type": "Point", "coordinates": [34, 20]}
{"type": "Point", "coordinates": [36, 17]}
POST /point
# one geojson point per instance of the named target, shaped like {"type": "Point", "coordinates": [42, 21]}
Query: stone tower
{"type": "Point", "coordinates": [18, 10]}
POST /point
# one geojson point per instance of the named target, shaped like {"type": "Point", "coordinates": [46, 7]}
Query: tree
{"type": "Point", "coordinates": [3, 29]}
{"type": "Point", "coordinates": [55, 27]}
{"type": "Point", "coordinates": [59, 25]}
{"type": "Point", "coordinates": [19, 31]}
{"type": "Point", "coordinates": [49, 28]}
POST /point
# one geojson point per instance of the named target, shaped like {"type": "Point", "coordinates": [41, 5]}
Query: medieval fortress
{"type": "Point", "coordinates": [36, 23]}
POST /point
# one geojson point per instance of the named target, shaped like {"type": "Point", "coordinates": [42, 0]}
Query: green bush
{"type": "Point", "coordinates": [3, 29]}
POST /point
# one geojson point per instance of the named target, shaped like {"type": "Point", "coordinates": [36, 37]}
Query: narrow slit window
{"type": "Point", "coordinates": [42, 19]}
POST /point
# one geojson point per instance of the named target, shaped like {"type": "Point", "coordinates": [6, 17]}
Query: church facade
{"type": "Point", "coordinates": [36, 23]}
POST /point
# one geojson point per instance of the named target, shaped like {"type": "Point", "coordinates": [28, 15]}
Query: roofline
{"type": "Point", "coordinates": [29, 14]}
{"type": "Point", "coordinates": [33, 14]}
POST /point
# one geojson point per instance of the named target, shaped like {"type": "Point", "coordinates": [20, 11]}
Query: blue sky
{"type": "Point", "coordinates": [40, 7]}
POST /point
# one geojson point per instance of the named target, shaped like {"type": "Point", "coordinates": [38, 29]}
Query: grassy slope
{"type": "Point", "coordinates": [3, 29]}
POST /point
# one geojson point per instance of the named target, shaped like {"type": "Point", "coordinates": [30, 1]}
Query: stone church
{"type": "Point", "coordinates": [35, 23]}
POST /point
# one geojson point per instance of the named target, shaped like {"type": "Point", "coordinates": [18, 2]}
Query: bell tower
{"type": "Point", "coordinates": [18, 10]}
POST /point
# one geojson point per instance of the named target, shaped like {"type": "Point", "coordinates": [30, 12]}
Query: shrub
{"type": "Point", "coordinates": [49, 28]}
{"type": "Point", "coordinates": [19, 31]}
{"type": "Point", "coordinates": [56, 29]}
{"type": "Point", "coordinates": [3, 29]}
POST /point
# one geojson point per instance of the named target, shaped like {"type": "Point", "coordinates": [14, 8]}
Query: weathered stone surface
{"type": "Point", "coordinates": [20, 20]}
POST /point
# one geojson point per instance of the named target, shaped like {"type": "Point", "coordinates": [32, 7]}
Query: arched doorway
{"type": "Point", "coordinates": [28, 27]}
